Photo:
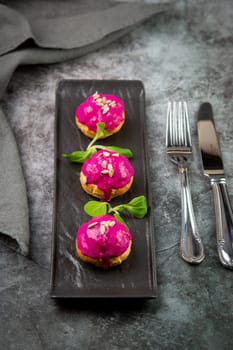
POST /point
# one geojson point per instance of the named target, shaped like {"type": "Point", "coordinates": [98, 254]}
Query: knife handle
{"type": "Point", "coordinates": [192, 250]}
{"type": "Point", "coordinates": [224, 222]}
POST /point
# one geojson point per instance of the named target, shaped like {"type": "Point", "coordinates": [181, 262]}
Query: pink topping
{"type": "Point", "coordinates": [98, 108]}
{"type": "Point", "coordinates": [108, 170]}
{"type": "Point", "coordinates": [103, 237]}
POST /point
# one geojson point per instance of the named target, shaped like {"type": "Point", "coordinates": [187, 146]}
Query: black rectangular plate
{"type": "Point", "coordinates": [70, 277]}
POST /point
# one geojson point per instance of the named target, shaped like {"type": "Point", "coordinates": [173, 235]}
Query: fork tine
{"type": "Point", "coordinates": [184, 137]}
{"type": "Point", "coordinates": [168, 126]}
{"type": "Point", "coordinates": [174, 124]}
{"type": "Point", "coordinates": [180, 124]}
{"type": "Point", "coordinates": [185, 127]}
{"type": "Point", "coordinates": [177, 128]}
{"type": "Point", "coordinates": [186, 117]}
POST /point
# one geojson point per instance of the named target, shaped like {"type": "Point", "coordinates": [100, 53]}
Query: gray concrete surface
{"type": "Point", "coordinates": [186, 53]}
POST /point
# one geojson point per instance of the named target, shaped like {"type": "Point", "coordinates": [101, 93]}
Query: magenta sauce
{"type": "Point", "coordinates": [103, 237]}
{"type": "Point", "coordinates": [108, 170]}
{"type": "Point", "coordinates": [108, 109]}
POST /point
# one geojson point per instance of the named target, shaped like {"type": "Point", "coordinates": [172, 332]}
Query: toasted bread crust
{"type": "Point", "coordinates": [114, 261]}
{"type": "Point", "coordinates": [91, 134]}
{"type": "Point", "coordinates": [93, 189]}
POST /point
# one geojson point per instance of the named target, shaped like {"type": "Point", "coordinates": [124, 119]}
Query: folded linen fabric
{"type": "Point", "coordinates": [40, 32]}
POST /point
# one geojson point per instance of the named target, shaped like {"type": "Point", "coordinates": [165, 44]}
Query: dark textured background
{"type": "Point", "coordinates": [186, 53]}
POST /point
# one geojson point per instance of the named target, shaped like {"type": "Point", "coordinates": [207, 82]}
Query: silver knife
{"type": "Point", "coordinates": [213, 168]}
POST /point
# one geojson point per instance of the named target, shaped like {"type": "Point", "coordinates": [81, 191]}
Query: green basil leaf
{"type": "Point", "coordinates": [95, 208]}
{"type": "Point", "coordinates": [137, 207]}
{"type": "Point", "coordinates": [123, 151]}
{"type": "Point", "coordinates": [79, 156]}
{"type": "Point", "coordinates": [120, 219]}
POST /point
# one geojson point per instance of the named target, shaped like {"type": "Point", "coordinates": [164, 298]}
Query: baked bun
{"type": "Point", "coordinates": [103, 241]}
{"type": "Point", "coordinates": [106, 175]}
{"type": "Point", "coordinates": [100, 108]}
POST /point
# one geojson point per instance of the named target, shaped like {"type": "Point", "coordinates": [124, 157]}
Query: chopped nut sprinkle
{"type": "Point", "coordinates": [103, 102]}
{"type": "Point", "coordinates": [92, 224]}
{"type": "Point", "coordinates": [104, 163]}
{"type": "Point", "coordinates": [111, 223]}
{"type": "Point", "coordinates": [106, 154]}
{"type": "Point", "coordinates": [105, 109]}
{"type": "Point", "coordinates": [102, 228]}
{"type": "Point", "coordinates": [105, 171]}
{"type": "Point", "coordinates": [99, 100]}
{"type": "Point", "coordinates": [112, 104]}
{"type": "Point", "coordinates": [115, 154]}
{"type": "Point", "coordinates": [110, 170]}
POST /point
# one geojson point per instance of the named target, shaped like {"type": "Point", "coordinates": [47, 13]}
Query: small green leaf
{"type": "Point", "coordinates": [79, 156]}
{"type": "Point", "coordinates": [136, 207]}
{"type": "Point", "coordinates": [95, 208]}
{"type": "Point", "coordinates": [123, 151]}
{"type": "Point", "coordinates": [100, 130]}
{"type": "Point", "coordinates": [120, 219]}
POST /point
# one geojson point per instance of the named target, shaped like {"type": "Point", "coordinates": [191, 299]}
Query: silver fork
{"type": "Point", "coordinates": [179, 148]}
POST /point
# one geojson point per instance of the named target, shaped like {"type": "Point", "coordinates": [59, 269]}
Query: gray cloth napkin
{"type": "Point", "coordinates": [40, 32]}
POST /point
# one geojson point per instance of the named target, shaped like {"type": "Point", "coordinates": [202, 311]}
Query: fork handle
{"type": "Point", "coordinates": [192, 250]}
{"type": "Point", "coordinates": [224, 222]}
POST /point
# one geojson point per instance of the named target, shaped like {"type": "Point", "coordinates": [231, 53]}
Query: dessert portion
{"type": "Point", "coordinates": [106, 174]}
{"type": "Point", "coordinates": [103, 241]}
{"type": "Point", "coordinates": [100, 108]}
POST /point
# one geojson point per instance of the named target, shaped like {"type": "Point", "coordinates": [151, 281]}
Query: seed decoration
{"type": "Point", "coordinates": [110, 170]}
{"type": "Point", "coordinates": [92, 224]}
{"type": "Point", "coordinates": [103, 102]}
{"type": "Point", "coordinates": [105, 109]}
{"type": "Point", "coordinates": [111, 223]}
{"type": "Point", "coordinates": [104, 163]}
{"type": "Point", "coordinates": [112, 104]}
{"type": "Point", "coordinates": [106, 154]}
{"type": "Point", "coordinates": [102, 228]}
{"type": "Point", "coordinates": [105, 171]}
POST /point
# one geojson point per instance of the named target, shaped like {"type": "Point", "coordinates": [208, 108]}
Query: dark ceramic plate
{"type": "Point", "coordinates": [72, 278]}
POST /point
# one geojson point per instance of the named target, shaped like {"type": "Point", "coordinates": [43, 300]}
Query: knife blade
{"type": "Point", "coordinates": [213, 168]}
